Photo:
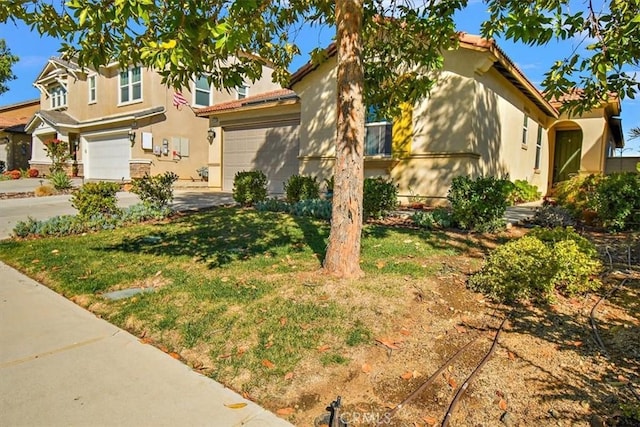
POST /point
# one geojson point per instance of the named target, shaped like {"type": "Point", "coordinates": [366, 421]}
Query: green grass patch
{"type": "Point", "coordinates": [237, 284]}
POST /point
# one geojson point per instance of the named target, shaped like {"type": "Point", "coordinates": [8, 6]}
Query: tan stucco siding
{"type": "Point", "coordinates": [500, 110]}
{"type": "Point", "coordinates": [595, 138]}
{"type": "Point", "coordinates": [430, 175]}
{"type": "Point", "coordinates": [318, 98]}
{"type": "Point", "coordinates": [442, 121]}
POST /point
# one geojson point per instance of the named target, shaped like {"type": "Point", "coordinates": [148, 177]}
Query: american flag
{"type": "Point", "coordinates": [179, 99]}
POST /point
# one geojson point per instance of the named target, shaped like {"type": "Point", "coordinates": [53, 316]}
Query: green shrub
{"type": "Point", "coordinates": [56, 226]}
{"type": "Point", "coordinates": [330, 182]}
{"type": "Point", "coordinates": [380, 197]}
{"type": "Point", "coordinates": [577, 194]}
{"type": "Point", "coordinates": [553, 216]}
{"type": "Point", "coordinates": [516, 270]}
{"type": "Point", "coordinates": [538, 265]}
{"type": "Point", "coordinates": [157, 190]}
{"type": "Point", "coordinates": [60, 180]}
{"type": "Point", "coordinates": [438, 218]}
{"type": "Point", "coordinates": [273, 205]}
{"type": "Point", "coordinates": [74, 224]}
{"type": "Point", "coordinates": [479, 204]}
{"type": "Point", "coordinates": [249, 187]}
{"type": "Point", "coordinates": [561, 234]}
{"type": "Point", "coordinates": [617, 201]}
{"type": "Point", "coordinates": [300, 187]}
{"type": "Point", "coordinates": [316, 208]}
{"type": "Point", "coordinates": [521, 192]}
{"type": "Point", "coordinates": [96, 198]}
{"type": "Point", "coordinates": [142, 212]}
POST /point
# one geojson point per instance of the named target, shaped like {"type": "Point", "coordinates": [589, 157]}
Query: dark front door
{"type": "Point", "coordinates": [567, 154]}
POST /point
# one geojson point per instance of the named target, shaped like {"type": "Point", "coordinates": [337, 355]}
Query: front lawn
{"type": "Point", "coordinates": [238, 295]}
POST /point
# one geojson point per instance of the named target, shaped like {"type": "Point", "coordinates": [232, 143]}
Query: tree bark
{"type": "Point", "coordinates": [343, 251]}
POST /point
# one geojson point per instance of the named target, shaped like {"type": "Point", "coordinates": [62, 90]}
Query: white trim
{"type": "Point", "coordinates": [140, 161]}
{"type": "Point", "coordinates": [58, 100]}
{"type": "Point", "coordinates": [130, 86]}
{"type": "Point", "coordinates": [246, 92]}
{"type": "Point", "coordinates": [93, 76]}
{"type": "Point", "coordinates": [195, 90]}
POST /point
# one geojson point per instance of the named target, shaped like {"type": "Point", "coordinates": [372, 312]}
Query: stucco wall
{"type": "Point", "coordinates": [595, 138]}
{"type": "Point", "coordinates": [621, 164]}
{"type": "Point", "coordinates": [499, 128]}
{"type": "Point", "coordinates": [470, 124]}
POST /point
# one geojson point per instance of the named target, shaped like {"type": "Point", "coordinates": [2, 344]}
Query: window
{"type": "Point", "coordinates": [538, 148]}
{"type": "Point", "coordinates": [202, 92]}
{"type": "Point", "coordinates": [130, 85]}
{"type": "Point", "coordinates": [525, 126]}
{"type": "Point", "coordinates": [58, 95]}
{"type": "Point", "coordinates": [92, 89]}
{"type": "Point", "coordinates": [377, 139]}
{"type": "Point", "coordinates": [242, 92]}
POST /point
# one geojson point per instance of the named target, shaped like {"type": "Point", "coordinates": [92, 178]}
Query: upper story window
{"type": "Point", "coordinates": [202, 92]}
{"type": "Point", "coordinates": [58, 96]}
{"type": "Point", "coordinates": [93, 90]}
{"type": "Point", "coordinates": [130, 85]}
{"type": "Point", "coordinates": [538, 148]}
{"type": "Point", "coordinates": [242, 92]}
{"type": "Point", "coordinates": [525, 129]}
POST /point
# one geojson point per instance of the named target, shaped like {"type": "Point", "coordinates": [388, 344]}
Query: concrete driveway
{"type": "Point", "coordinates": [13, 210]}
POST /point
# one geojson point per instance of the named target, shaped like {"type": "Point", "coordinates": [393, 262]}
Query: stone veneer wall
{"type": "Point", "coordinates": [45, 169]}
{"type": "Point", "coordinates": [138, 170]}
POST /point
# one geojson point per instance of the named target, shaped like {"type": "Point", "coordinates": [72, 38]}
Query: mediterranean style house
{"type": "Point", "coordinates": [483, 117]}
{"type": "Point", "coordinates": [123, 123]}
{"type": "Point", "coordinates": [15, 142]}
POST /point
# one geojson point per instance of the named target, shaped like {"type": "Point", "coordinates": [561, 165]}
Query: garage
{"type": "Point", "coordinates": [271, 147]}
{"type": "Point", "coordinates": [107, 158]}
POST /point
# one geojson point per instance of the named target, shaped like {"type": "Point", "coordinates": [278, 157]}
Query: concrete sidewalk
{"type": "Point", "coordinates": [60, 366]}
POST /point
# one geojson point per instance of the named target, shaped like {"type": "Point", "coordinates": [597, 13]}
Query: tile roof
{"type": "Point", "coordinates": [262, 98]}
{"type": "Point", "coordinates": [7, 122]}
{"type": "Point", "coordinates": [27, 103]}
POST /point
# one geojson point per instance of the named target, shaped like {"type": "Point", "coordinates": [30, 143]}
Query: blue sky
{"type": "Point", "coordinates": [34, 50]}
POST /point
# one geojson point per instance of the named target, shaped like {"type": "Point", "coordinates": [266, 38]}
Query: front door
{"type": "Point", "coordinates": [567, 154]}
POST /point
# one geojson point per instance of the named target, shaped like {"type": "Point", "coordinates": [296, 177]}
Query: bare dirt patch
{"type": "Point", "coordinates": [548, 368]}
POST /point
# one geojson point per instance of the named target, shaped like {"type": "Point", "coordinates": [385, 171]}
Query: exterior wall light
{"type": "Point", "coordinates": [211, 134]}
{"type": "Point", "coordinates": [132, 137]}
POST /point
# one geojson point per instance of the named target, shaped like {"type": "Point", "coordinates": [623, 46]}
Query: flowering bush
{"type": "Point", "coordinates": [14, 174]}
{"type": "Point", "coordinates": [59, 153]}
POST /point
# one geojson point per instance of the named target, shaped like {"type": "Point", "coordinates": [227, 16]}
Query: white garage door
{"type": "Point", "coordinates": [271, 148]}
{"type": "Point", "coordinates": [108, 158]}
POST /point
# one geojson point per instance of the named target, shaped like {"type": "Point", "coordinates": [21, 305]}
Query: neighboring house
{"type": "Point", "coordinates": [15, 143]}
{"type": "Point", "coordinates": [122, 123]}
{"type": "Point", "coordinates": [483, 117]}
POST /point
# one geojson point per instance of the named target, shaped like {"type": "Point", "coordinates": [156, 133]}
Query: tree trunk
{"type": "Point", "coordinates": [343, 252]}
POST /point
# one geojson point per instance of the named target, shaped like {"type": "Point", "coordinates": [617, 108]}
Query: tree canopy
{"type": "Point", "coordinates": [6, 63]}
{"type": "Point", "coordinates": [386, 49]}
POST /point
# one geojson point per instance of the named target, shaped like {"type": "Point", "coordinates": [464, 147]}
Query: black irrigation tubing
{"type": "Point", "coordinates": [424, 385]}
{"type": "Point", "coordinates": [464, 386]}
{"type": "Point", "coordinates": [592, 319]}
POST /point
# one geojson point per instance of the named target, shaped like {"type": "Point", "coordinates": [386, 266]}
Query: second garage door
{"type": "Point", "coordinates": [107, 158]}
{"type": "Point", "coordinates": [271, 148]}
